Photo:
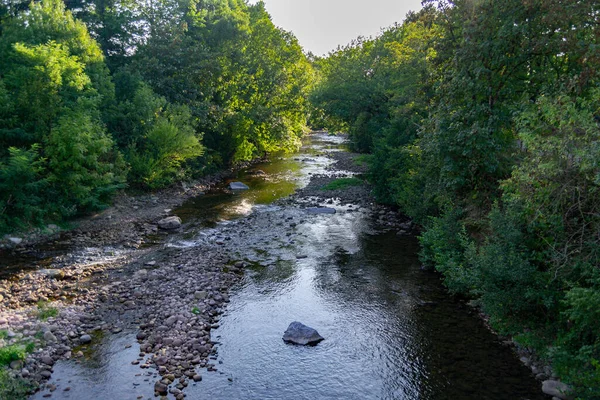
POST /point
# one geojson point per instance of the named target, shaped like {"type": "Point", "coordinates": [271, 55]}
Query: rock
{"type": "Point", "coordinates": [556, 389]}
{"type": "Point", "coordinates": [298, 333]}
{"type": "Point", "coordinates": [321, 210]}
{"type": "Point", "coordinates": [15, 240]}
{"type": "Point", "coordinates": [170, 223]}
{"type": "Point", "coordinates": [46, 374]}
{"type": "Point", "coordinates": [85, 339]}
{"type": "Point", "coordinates": [238, 186]}
{"type": "Point", "coordinates": [200, 295]}
{"type": "Point", "coordinates": [197, 378]}
{"type": "Point", "coordinates": [53, 273]}
{"type": "Point", "coordinates": [160, 388]}
{"type": "Point", "coordinates": [16, 364]}
{"type": "Point", "coordinates": [47, 360]}
{"type": "Point", "coordinates": [140, 335]}
{"type": "Point", "coordinates": [49, 337]}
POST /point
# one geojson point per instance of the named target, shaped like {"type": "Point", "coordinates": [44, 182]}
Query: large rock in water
{"type": "Point", "coordinates": [301, 334]}
{"type": "Point", "coordinates": [238, 186]}
{"type": "Point", "coordinates": [170, 223]}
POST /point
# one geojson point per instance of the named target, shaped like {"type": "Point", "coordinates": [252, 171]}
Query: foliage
{"type": "Point", "coordinates": [44, 311]}
{"type": "Point", "coordinates": [12, 387]}
{"type": "Point", "coordinates": [59, 159]}
{"type": "Point", "coordinates": [11, 353]}
{"type": "Point", "coordinates": [485, 130]}
{"type": "Point", "coordinates": [192, 87]}
{"type": "Point", "coordinates": [342, 183]}
{"type": "Point", "coordinates": [21, 188]}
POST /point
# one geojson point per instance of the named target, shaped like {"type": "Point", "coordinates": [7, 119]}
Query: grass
{"type": "Point", "coordinates": [3, 334]}
{"type": "Point", "coordinates": [363, 159]}
{"type": "Point", "coordinates": [11, 353]}
{"type": "Point", "coordinates": [12, 387]}
{"type": "Point", "coordinates": [44, 311]}
{"type": "Point", "coordinates": [342, 183]}
{"type": "Point", "coordinates": [195, 310]}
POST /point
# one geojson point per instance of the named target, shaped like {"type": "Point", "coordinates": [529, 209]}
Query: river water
{"type": "Point", "coordinates": [391, 330]}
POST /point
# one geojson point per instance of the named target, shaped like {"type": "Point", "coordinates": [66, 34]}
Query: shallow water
{"type": "Point", "coordinates": [391, 330]}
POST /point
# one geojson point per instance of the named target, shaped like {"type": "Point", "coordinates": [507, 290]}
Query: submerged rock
{"type": "Point", "coordinates": [238, 186]}
{"type": "Point", "coordinates": [301, 334]}
{"type": "Point", "coordinates": [321, 210]}
{"type": "Point", "coordinates": [170, 223]}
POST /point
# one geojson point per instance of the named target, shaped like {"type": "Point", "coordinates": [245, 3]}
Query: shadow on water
{"type": "Point", "coordinates": [391, 330]}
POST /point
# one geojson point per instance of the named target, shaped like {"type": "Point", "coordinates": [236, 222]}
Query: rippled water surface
{"type": "Point", "coordinates": [391, 330]}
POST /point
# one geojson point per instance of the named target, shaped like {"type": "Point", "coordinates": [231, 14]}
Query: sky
{"type": "Point", "coordinates": [322, 25]}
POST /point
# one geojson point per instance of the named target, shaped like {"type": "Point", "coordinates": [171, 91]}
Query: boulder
{"type": "Point", "coordinates": [238, 186]}
{"type": "Point", "coordinates": [301, 334]}
{"type": "Point", "coordinates": [556, 389]}
{"type": "Point", "coordinates": [321, 210]}
{"type": "Point", "coordinates": [170, 223]}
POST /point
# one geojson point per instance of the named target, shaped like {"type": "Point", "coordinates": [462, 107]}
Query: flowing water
{"type": "Point", "coordinates": [391, 330]}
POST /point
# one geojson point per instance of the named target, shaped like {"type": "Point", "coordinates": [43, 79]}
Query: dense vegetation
{"type": "Point", "coordinates": [96, 95]}
{"type": "Point", "coordinates": [482, 121]}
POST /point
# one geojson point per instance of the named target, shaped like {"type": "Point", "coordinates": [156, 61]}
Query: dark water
{"type": "Point", "coordinates": [391, 330]}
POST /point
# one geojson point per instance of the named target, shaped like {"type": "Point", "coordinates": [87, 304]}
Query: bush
{"type": "Point", "coordinates": [13, 388]}
{"type": "Point", "coordinates": [444, 244]}
{"type": "Point", "coordinates": [22, 188]}
{"type": "Point", "coordinates": [84, 167]}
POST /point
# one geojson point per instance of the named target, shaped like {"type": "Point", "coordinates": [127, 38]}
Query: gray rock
{"type": "Point", "coordinates": [16, 364]}
{"type": "Point", "coordinates": [556, 389]}
{"type": "Point", "coordinates": [321, 210]}
{"type": "Point", "coordinates": [15, 240]}
{"type": "Point", "coordinates": [49, 337]}
{"type": "Point", "coordinates": [52, 273]}
{"type": "Point", "coordinates": [85, 339]}
{"type": "Point", "coordinates": [238, 186]}
{"type": "Point", "coordinates": [160, 388]}
{"type": "Point", "coordinates": [170, 223]}
{"type": "Point", "coordinates": [200, 294]}
{"type": "Point", "coordinates": [301, 334]}
{"type": "Point", "coordinates": [47, 360]}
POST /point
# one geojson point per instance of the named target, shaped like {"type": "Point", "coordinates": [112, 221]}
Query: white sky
{"type": "Point", "coordinates": [322, 25]}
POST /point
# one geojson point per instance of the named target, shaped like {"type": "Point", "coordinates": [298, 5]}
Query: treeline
{"type": "Point", "coordinates": [96, 95]}
{"type": "Point", "coordinates": [483, 121]}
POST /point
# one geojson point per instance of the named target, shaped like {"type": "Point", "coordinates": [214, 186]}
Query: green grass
{"type": "Point", "coordinates": [195, 310]}
{"type": "Point", "coordinates": [363, 159]}
{"type": "Point", "coordinates": [11, 353]}
{"type": "Point", "coordinates": [3, 334]}
{"type": "Point", "coordinates": [44, 311]}
{"type": "Point", "coordinates": [342, 183]}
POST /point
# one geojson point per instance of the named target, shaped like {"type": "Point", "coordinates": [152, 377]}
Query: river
{"type": "Point", "coordinates": [391, 329]}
